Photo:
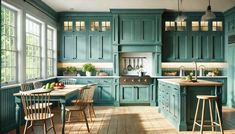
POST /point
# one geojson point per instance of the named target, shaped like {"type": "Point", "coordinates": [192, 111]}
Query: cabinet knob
{"type": "Point", "coordinates": [138, 80]}
{"type": "Point", "coordinates": [132, 80]}
{"type": "Point", "coordinates": [124, 80]}
{"type": "Point", "coordinates": [145, 80]}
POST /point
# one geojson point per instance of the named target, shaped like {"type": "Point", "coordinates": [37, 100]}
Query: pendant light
{"type": "Point", "coordinates": [209, 15]}
{"type": "Point", "coordinates": [181, 17]}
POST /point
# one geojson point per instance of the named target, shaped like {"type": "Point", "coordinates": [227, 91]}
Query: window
{"type": "Point", "coordinates": [33, 49]}
{"type": "Point", "coordinates": [8, 46]}
{"type": "Point", "coordinates": [50, 52]}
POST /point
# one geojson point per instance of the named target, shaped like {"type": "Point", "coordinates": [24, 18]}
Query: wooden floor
{"type": "Point", "coordinates": [129, 120]}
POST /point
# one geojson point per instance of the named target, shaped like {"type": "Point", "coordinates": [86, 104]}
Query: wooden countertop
{"type": "Point", "coordinates": [182, 82]}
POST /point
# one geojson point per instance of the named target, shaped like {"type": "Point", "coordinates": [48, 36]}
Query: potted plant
{"type": "Point", "coordinates": [88, 68]}
{"type": "Point", "coordinates": [70, 71]}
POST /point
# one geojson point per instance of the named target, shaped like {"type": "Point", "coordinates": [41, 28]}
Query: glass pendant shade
{"type": "Point", "coordinates": [209, 15]}
{"type": "Point", "coordinates": [181, 17]}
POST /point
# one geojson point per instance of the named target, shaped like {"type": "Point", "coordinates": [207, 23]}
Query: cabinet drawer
{"type": "Point", "coordinates": [86, 81]}
{"type": "Point", "coordinates": [106, 81]}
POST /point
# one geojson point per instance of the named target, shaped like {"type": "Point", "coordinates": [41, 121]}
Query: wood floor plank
{"type": "Point", "coordinates": [129, 120]}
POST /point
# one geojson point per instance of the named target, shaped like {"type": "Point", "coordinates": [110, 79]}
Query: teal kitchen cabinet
{"type": "Point", "coordinates": [134, 94]}
{"type": "Point", "coordinates": [73, 46]}
{"type": "Point", "coordinates": [104, 93]}
{"type": "Point", "coordinates": [99, 39]}
{"type": "Point", "coordinates": [100, 47]}
{"type": "Point", "coordinates": [137, 29]}
{"type": "Point", "coordinates": [193, 39]}
{"type": "Point", "coordinates": [74, 38]}
{"type": "Point", "coordinates": [68, 47]}
{"type": "Point", "coordinates": [230, 54]}
{"type": "Point", "coordinates": [86, 37]}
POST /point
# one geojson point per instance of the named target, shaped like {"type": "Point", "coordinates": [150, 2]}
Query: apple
{"type": "Point", "coordinates": [56, 84]}
{"type": "Point", "coordinates": [60, 84]}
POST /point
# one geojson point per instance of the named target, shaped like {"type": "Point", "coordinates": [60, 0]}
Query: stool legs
{"type": "Point", "coordinates": [212, 124]}
{"type": "Point", "coordinates": [203, 114]}
{"type": "Point", "coordinates": [195, 117]}
{"type": "Point", "coordinates": [218, 114]}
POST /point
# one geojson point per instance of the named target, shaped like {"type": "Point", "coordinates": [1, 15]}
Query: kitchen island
{"type": "Point", "coordinates": [177, 100]}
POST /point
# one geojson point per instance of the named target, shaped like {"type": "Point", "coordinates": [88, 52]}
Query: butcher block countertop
{"type": "Point", "coordinates": [181, 82]}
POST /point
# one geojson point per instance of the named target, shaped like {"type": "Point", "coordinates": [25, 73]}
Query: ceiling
{"type": "Point", "coordinates": [105, 5]}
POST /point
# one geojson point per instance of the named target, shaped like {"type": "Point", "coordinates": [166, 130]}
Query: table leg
{"type": "Point", "coordinates": [18, 118]}
{"type": "Point", "coordinates": [63, 116]}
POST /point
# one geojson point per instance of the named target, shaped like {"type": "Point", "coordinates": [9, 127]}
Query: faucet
{"type": "Point", "coordinates": [195, 63]}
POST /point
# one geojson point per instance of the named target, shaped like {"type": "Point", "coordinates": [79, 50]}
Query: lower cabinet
{"type": "Point", "coordinates": [134, 94]}
{"type": "Point", "coordinates": [104, 93]}
{"type": "Point", "coordinates": [169, 100]}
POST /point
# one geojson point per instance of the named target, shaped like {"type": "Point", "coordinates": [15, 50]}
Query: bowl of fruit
{"type": "Point", "coordinates": [59, 85]}
{"type": "Point", "coordinates": [48, 86]}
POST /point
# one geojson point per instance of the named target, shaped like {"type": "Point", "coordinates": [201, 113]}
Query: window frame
{"type": "Point", "coordinates": [34, 20]}
{"type": "Point", "coordinates": [15, 37]}
{"type": "Point", "coordinates": [53, 49]}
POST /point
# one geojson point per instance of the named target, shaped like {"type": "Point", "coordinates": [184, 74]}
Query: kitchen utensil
{"type": "Point", "coordinates": [129, 67]}
{"type": "Point", "coordinates": [134, 64]}
{"type": "Point", "coordinates": [124, 69]}
{"type": "Point", "coordinates": [137, 66]}
{"type": "Point", "coordinates": [141, 65]}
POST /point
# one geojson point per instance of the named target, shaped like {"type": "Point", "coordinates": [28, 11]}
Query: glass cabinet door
{"type": "Point", "coordinates": [100, 25]}
{"type": "Point", "coordinates": [80, 25]}
{"type": "Point", "coordinates": [68, 25]}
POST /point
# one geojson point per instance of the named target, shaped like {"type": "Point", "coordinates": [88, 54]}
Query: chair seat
{"type": "Point", "coordinates": [40, 105]}
{"type": "Point", "coordinates": [74, 108]}
{"type": "Point", "coordinates": [38, 116]}
{"type": "Point", "coordinates": [206, 97]}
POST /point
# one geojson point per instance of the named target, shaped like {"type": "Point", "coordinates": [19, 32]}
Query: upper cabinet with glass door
{"type": "Point", "coordinates": [100, 24]}
{"type": "Point", "coordinates": [74, 25]}
{"type": "Point", "coordinates": [193, 39]}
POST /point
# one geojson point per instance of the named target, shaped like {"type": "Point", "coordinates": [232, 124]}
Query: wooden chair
{"type": "Point", "coordinates": [81, 104]}
{"type": "Point", "coordinates": [68, 81]}
{"type": "Point", "coordinates": [37, 84]}
{"type": "Point", "coordinates": [26, 86]}
{"type": "Point", "coordinates": [213, 124]}
{"type": "Point", "coordinates": [36, 109]}
{"type": "Point", "coordinates": [89, 101]}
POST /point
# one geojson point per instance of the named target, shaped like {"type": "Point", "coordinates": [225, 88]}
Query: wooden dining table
{"type": "Point", "coordinates": [60, 95]}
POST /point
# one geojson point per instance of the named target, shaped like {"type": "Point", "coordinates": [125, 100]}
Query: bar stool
{"type": "Point", "coordinates": [213, 124]}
